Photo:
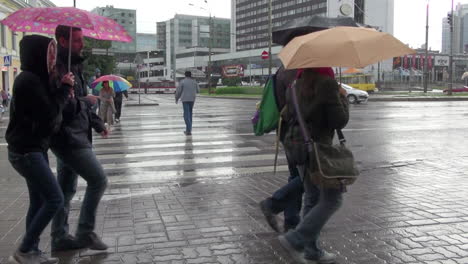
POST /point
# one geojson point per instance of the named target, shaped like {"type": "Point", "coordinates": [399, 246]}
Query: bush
{"type": "Point", "coordinates": [239, 90]}
{"type": "Point", "coordinates": [233, 81]}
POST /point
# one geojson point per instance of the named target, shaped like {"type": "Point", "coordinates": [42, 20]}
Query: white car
{"type": "Point", "coordinates": [355, 96]}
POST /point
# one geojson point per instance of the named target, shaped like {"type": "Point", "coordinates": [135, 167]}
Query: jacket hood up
{"type": "Point", "coordinates": [33, 55]}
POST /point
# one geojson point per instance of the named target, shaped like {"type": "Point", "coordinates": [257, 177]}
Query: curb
{"type": "Point", "coordinates": [231, 97]}
{"type": "Point", "coordinates": [418, 99]}
{"type": "Point", "coordinates": [371, 99]}
{"type": "Point", "coordinates": [143, 104]}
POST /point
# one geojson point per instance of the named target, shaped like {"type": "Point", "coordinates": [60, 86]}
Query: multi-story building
{"type": "Point", "coordinates": [250, 21]}
{"type": "Point", "coordinates": [187, 40]}
{"type": "Point", "coordinates": [146, 42]}
{"type": "Point", "coordinates": [9, 40]}
{"type": "Point", "coordinates": [127, 19]}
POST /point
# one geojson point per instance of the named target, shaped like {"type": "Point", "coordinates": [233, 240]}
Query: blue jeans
{"type": "Point", "coordinates": [320, 205]}
{"type": "Point", "coordinates": [45, 196]}
{"type": "Point", "coordinates": [70, 164]}
{"type": "Point", "coordinates": [288, 199]}
{"type": "Point", "coordinates": [188, 113]}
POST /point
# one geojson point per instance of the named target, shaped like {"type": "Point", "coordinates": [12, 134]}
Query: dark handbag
{"type": "Point", "coordinates": [330, 166]}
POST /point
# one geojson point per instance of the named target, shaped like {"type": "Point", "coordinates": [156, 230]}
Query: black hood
{"type": "Point", "coordinates": [33, 55]}
{"type": "Point", "coordinates": [62, 56]}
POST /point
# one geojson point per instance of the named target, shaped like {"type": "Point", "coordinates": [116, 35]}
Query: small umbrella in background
{"type": "Point", "coordinates": [302, 26]}
{"type": "Point", "coordinates": [352, 71]}
{"type": "Point", "coordinates": [117, 83]}
{"type": "Point", "coordinates": [46, 19]}
{"type": "Point", "coordinates": [341, 47]}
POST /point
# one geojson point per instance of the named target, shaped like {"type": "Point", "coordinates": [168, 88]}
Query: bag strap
{"type": "Point", "coordinates": [278, 136]}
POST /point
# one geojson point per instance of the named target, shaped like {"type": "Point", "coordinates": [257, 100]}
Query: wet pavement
{"type": "Point", "coordinates": [177, 199]}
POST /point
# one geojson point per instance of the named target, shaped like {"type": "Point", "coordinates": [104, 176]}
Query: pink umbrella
{"type": "Point", "coordinates": [46, 19]}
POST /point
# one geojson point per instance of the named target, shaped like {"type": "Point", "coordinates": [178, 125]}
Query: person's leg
{"type": "Point", "coordinates": [186, 106]}
{"type": "Point", "coordinates": [68, 181]}
{"type": "Point", "coordinates": [85, 163]}
{"type": "Point", "coordinates": [307, 233]}
{"type": "Point", "coordinates": [293, 208]}
{"type": "Point", "coordinates": [118, 107]}
{"type": "Point", "coordinates": [191, 115]}
{"type": "Point", "coordinates": [35, 169]}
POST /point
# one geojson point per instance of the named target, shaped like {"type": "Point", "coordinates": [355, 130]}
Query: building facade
{"type": "Point", "coordinates": [146, 42]}
{"type": "Point", "coordinates": [250, 21]}
{"type": "Point", "coordinates": [127, 19]}
{"type": "Point", "coordinates": [9, 40]}
{"type": "Point", "coordinates": [193, 37]}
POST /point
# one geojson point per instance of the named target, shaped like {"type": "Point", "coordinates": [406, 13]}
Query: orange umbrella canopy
{"type": "Point", "coordinates": [352, 71]}
{"type": "Point", "coordinates": [341, 47]}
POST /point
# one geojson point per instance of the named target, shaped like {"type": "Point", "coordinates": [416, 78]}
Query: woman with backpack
{"type": "Point", "coordinates": [36, 114]}
{"type": "Point", "coordinates": [324, 108]}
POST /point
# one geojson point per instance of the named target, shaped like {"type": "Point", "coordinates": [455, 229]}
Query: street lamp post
{"type": "Point", "coordinates": [270, 61]}
{"type": "Point", "coordinates": [450, 86]}
{"type": "Point", "coordinates": [426, 74]}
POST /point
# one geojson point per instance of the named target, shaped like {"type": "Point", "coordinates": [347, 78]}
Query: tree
{"type": "Point", "coordinates": [105, 63]}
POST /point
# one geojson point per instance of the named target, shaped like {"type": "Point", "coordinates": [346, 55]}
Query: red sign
{"type": "Point", "coordinates": [405, 62]}
{"type": "Point", "coordinates": [265, 55]}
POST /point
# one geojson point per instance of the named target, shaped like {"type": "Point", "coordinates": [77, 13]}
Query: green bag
{"type": "Point", "coordinates": [267, 115]}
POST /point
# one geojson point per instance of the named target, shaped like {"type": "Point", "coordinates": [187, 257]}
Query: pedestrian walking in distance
{"type": "Point", "coordinates": [187, 92]}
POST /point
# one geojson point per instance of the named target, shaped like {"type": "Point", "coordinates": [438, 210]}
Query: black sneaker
{"type": "Point", "coordinates": [187, 133]}
{"type": "Point", "coordinates": [288, 227]}
{"type": "Point", "coordinates": [91, 241]}
{"type": "Point", "coordinates": [65, 243]}
{"type": "Point", "coordinates": [269, 215]}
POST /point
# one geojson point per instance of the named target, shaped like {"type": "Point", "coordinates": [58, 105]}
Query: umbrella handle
{"type": "Point", "coordinates": [69, 49]}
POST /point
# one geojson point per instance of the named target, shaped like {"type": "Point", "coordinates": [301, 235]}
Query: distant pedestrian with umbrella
{"type": "Point", "coordinates": [119, 86]}
{"type": "Point", "coordinates": [107, 108]}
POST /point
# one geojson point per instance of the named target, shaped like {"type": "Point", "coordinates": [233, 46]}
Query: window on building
{"type": "Point", "coordinates": [13, 40]}
{"type": "Point", "coordinates": [3, 36]}
{"type": "Point", "coordinates": [122, 14]}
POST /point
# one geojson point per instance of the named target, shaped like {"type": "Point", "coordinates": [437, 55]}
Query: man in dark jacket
{"type": "Point", "coordinates": [118, 104]}
{"type": "Point", "coordinates": [73, 147]}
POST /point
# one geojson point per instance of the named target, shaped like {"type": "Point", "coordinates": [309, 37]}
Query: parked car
{"type": "Point", "coordinates": [355, 96]}
{"type": "Point", "coordinates": [463, 89]}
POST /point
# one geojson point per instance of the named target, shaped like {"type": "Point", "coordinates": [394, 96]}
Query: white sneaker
{"type": "Point", "coordinates": [31, 257]}
{"type": "Point", "coordinates": [325, 258]}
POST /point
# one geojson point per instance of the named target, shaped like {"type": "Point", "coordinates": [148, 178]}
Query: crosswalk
{"type": "Point", "coordinates": [149, 146]}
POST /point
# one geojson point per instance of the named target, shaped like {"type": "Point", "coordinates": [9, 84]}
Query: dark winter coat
{"type": "Point", "coordinates": [78, 118]}
{"type": "Point", "coordinates": [35, 112]}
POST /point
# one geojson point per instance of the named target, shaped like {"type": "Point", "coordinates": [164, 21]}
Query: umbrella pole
{"type": "Point", "coordinates": [341, 82]}
{"type": "Point", "coordinates": [69, 50]}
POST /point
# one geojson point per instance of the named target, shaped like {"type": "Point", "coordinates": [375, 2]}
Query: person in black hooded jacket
{"type": "Point", "coordinates": [35, 115]}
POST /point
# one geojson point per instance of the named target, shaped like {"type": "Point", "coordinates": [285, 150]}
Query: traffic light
{"type": "Point", "coordinates": [449, 18]}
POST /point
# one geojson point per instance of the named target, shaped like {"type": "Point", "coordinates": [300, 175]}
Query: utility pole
{"type": "Point", "coordinates": [210, 46]}
{"type": "Point", "coordinates": [270, 60]}
{"type": "Point", "coordinates": [426, 74]}
{"type": "Point", "coordinates": [450, 86]}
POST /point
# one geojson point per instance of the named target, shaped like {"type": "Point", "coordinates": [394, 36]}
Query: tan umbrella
{"type": "Point", "coordinates": [341, 47]}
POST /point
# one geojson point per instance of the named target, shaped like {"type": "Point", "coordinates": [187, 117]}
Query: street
{"type": "Point", "coordinates": [176, 199]}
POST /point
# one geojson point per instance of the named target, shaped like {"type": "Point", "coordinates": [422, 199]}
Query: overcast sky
{"type": "Point", "coordinates": [410, 15]}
